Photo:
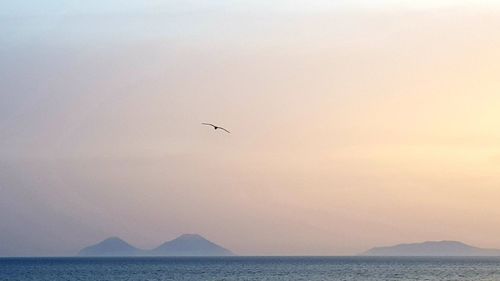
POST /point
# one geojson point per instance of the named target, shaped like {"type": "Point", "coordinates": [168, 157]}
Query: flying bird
{"type": "Point", "coordinates": [216, 127]}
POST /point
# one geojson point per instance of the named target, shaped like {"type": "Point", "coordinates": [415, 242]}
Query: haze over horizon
{"type": "Point", "coordinates": [353, 124]}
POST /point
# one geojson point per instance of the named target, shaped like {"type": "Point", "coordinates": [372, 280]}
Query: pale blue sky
{"type": "Point", "coordinates": [65, 7]}
{"type": "Point", "coordinates": [25, 21]}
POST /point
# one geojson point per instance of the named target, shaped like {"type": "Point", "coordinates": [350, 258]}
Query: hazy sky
{"type": "Point", "coordinates": [355, 124]}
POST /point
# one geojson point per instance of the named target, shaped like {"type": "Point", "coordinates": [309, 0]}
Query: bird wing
{"type": "Point", "coordinates": [224, 129]}
{"type": "Point", "coordinates": [209, 124]}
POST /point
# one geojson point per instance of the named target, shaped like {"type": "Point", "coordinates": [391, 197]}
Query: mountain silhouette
{"type": "Point", "coordinates": [432, 248]}
{"type": "Point", "coordinates": [190, 245]}
{"type": "Point", "coordinates": [112, 246]}
{"type": "Point", "coordinates": [184, 245]}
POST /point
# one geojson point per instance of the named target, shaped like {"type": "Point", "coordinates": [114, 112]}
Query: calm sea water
{"type": "Point", "coordinates": [249, 268]}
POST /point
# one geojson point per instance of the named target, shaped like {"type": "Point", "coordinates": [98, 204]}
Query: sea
{"type": "Point", "coordinates": [250, 268]}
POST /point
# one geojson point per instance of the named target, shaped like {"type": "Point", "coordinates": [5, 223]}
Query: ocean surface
{"type": "Point", "coordinates": [249, 268]}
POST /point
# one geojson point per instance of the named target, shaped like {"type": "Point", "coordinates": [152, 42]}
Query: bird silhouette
{"type": "Point", "coordinates": [216, 127]}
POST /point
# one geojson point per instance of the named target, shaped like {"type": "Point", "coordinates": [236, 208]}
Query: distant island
{"type": "Point", "coordinates": [196, 245]}
{"type": "Point", "coordinates": [432, 248]}
{"type": "Point", "coordinates": [184, 245]}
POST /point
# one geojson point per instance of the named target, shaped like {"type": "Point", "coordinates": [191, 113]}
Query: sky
{"type": "Point", "coordinates": [354, 124]}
